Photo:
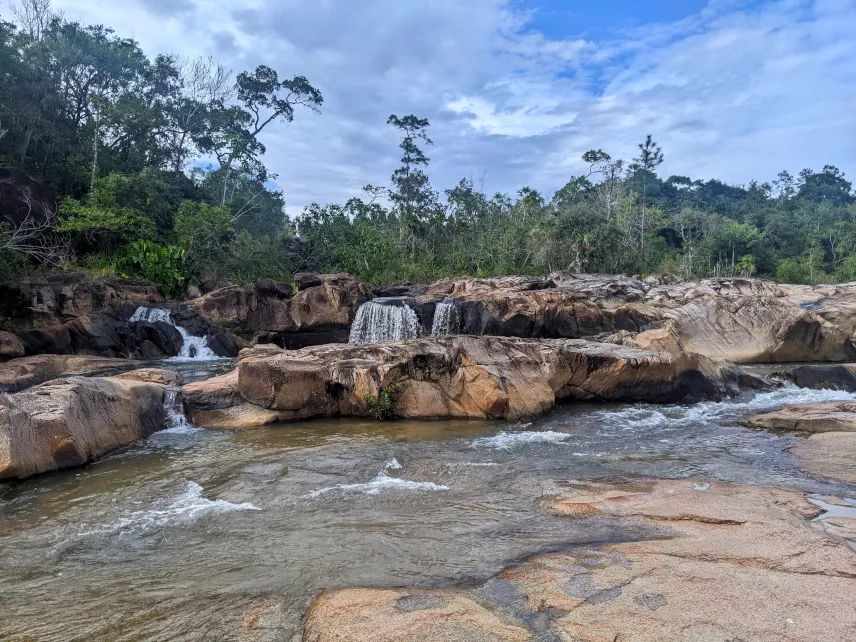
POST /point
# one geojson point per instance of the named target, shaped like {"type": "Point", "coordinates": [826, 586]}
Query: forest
{"type": "Point", "coordinates": [155, 169]}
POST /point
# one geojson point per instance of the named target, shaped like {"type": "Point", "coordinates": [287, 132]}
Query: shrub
{"type": "Point", "coordinates": [163, 265]}
{"type": "Point", "coordinates": [382, 406]}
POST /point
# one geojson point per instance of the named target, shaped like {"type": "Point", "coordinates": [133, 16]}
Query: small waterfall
{"type": "Point", "coordinates": [175, 417]}
{"type": "Point", "coordinates": [192, 348]}
{"type": "Point", "coordinates": [384, 319]}
{"type": "Point", "coordinates": [447, 319]}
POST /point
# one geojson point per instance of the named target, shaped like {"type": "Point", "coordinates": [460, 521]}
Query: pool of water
{"type": "Point", "coordinates": [201, 535]}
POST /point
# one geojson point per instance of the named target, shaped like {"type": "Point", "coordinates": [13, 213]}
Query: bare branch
{"type": "Point", "coordinates": [35, 236]}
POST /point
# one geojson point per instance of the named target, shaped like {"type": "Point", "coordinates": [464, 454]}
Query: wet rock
{"type": "Point", "coordinates": [321, 311]}
{"type": "Point", "coordinates": [10, 346]}
{"type": "Point", "coordinates": [372, 614]}
{"type": "Point", "coordinates": [152, 375]}
{"type": "Point", "coordinates": [822, 377]}
{"type": "Point", "coordinates": [829, 455]}
{"type": "Point", "coordinates": [68, 422]}
{"type": "Point", "coordinates": [462, 377]}
{"type": "Point", "coordinates": [721, 550]}
{"type": "Point", "coordinates": [23, 373]}
{"type": "Point", "coordinates": [833, 416]}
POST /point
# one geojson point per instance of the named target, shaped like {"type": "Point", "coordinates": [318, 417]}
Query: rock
{"type": "Point", "coordinates": [47, 340]}
{"type": "Point", "coordinates": [402, 290]}
{"type": "Point", "coordinates": [53, 299]}
{"type": "Point", "coordinates": [193, 292]}
{"type": "Point", "coordinates": [748, 330]}
{"type": "Point", "coordinates": [23, 373]}
{"type": "Point", "coordinates": [606, 289]}
{"type": "Point", "coordinates": [455, 377]}
{"type": "Point", "coordinates": [69, 422]}
{"type": "Point", "coordinates": [707, 550]}
{"type": "Point", "coordinates": [829, 455]}
{"type": "Point", "coordinates": [320, 312]}
{"type": "Point", "coordinates": [152, 375]}
{"type": "Point", "coordinates": [831, 416]}
{"type": "Point", "coordinates": [10, 346]}
{"type": "Point", "coordinates": [382, 615]}
{"type": "Point", "coordinates": [822, 377]}
{"type": "Point", "coordinates": [676, 295]}
{"type": "Point", "coordinates": [216, 403]}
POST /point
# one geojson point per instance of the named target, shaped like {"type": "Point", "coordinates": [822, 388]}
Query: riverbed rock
{"type": "Point", "coordinates": [321, 311]}
{"type": "Point", "coordinates": [829, 416]}
{"type": "Point", "coordinates": [152, 375]}
{"type": "Point", "coordinates": [822, 377]}
{"type": "Point", "coordinates": [68, 422]}
{"type": "Point", "coordinates": [456, 377]}
{"type": "Point", "coordinates": [216, 403]}
{"type": "Point", "coordinates": [10, 346]}
{"type": "Point", "coordinates": [708, 550]}
{"type": "Point", "coordinates": [829, 455]}
{"type": "Point", "coordinates": [23, 373]}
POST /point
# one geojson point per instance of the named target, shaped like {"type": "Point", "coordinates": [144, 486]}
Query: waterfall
{"type": "Point", "coordinates": [192, 348]}
{"type": "Point", "coordinates": [384, 319]}
{"type": "Point", "coordinates": [176, 420]}
{"type": "Point", "coordinates": [447, 319]}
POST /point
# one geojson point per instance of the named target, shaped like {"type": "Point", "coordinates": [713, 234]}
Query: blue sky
{"type": "Point", "coordinates": [517, 90]}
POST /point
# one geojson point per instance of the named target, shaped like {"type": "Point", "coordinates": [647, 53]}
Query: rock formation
{"type": "Point", "coordinates": [26, 372]}
{"type": "Point", "coordinates": [320, 311]}
{"type": "Point", "coordinates": [461, 377]}
{"type": "Point", "coordinates": [712, 550]}
{"type": "Point", "coordinates": [68, 422]}
{"type": "Point", "coordinates": [830, 416]}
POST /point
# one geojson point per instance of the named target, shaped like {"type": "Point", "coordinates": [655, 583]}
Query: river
{"type": "Point", "coordinates": [208, 535]}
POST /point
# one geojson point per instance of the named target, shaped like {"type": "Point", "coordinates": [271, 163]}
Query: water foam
{"type": "Point", "coordinates": [380, 483]}
{"type": "Point", "coordinates": [185, 508]}
{"type": "Point", "coordinates": [506, 440]}
{"type": "Point", "coordinates": [447, 319]}
{"type": "Point", "coordinates": [192, 348]}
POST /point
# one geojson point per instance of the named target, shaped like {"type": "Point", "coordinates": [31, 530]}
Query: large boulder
{"type": "Point", "coordinates": [822, 377]}
{"type": "Point", "coordinates": [749, 329]}
{"type": "Point", "coordinates": [10, 346]}
{"type": "Point", "coordinates": [321, 311]}
{"type": "Point", "coordinates": [69, 422]}
{"type": "Point", "coordinates": [460, 376]}
{"type": "Point", "coordinates": [26, 372]}
{"type": "Point", "coordinates": [698, 552]}
{"type": "Point", "coordinates": [830, 416]}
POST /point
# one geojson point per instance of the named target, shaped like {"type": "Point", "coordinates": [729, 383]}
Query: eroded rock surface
{"type": "Point", "coordinates": [453, 377]}
{"type": "Point", "coordinates": [68, 422]}
{"type": "Point", "coordinates": [23, 373]}
{"type": "Point", "coordinates": [320, 311]}
{"type": "Point", "coordinates": [829, 454]}
{"type": "Point", "coordinates": [831, 416]}
{"type": "Point", "coordinates": [723, 547]}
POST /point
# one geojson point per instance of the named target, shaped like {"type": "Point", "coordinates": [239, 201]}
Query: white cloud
{"type": "Point", "coordinates": [732, 93]}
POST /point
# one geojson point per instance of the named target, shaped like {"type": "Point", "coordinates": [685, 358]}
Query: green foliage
{"type": "Point", "coordinates": [382, 406]}
{"type": "Point", "coordinates": [163, 265]}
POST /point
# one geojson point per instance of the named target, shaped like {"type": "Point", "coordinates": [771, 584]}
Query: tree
{"type": "Point", "coordinates": [414, 199]}
{"type": "Point", "coordinates": [645, 165]}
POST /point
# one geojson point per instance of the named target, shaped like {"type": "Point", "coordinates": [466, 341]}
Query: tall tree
{"type": "Point", "coordinates": [649, 159]}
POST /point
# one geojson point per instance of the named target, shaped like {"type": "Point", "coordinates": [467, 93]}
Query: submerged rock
{"type": "Point", "coordinates": [68, 422]}
{"type": "Point", "coordinates": [720, 548]}
{"type": "Point", "coordinates": [453, 377]}
{"type": "Point", "coordinates": [830, 416]}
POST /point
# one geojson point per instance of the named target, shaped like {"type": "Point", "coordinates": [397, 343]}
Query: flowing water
{"type": "Point", "coordinates": [208, 535]}
{"type": "Point", "coordinates": [192, 348]}
{"type": "Point", "coordinates": [447, 319]}
{"type": "Point", "coordinates": [384, 319]}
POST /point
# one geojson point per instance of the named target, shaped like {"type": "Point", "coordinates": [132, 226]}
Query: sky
{"type": "Point", "coordinates": [517, 90]}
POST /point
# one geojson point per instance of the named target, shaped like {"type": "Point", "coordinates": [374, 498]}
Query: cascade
{"type": "Point", "coordinates": [192, 348]}
{"type": "Point", "coordinates": [384, 319]}
{"type": "Point", "coordinates": [176, 420]}
{"type": "Point", "coordinates": [447, 318]}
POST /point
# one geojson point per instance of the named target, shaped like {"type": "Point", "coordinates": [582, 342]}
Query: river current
{"type": "Point", "coordinates": [208, 535]}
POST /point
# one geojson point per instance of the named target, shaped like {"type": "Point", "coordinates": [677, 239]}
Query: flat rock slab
{"type": "Point", "coordinates": [829, 455]}
{"type": "Point", "coordinates": [831, 416]}
{"type": "Point", "coordinates": [738, 563]}
{"type": "Point", "coordinates": [23, 373]}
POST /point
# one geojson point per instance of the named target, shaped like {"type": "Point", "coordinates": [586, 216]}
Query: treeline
{"type": "Point", "coordinates": [156, 167]}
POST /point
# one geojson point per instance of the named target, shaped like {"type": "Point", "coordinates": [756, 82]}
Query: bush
{"type": "Point", "coordinates": [382, 406]}
{"type": "Point", "coordinates": [163, 265]}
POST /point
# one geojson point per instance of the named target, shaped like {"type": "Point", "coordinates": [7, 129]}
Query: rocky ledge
{"type": "Point", "coordinates": [708, 552]}
{"type": "Point", "coordinates": [68, 422]}
{"type": "Point", "coordinates": [451, 377]}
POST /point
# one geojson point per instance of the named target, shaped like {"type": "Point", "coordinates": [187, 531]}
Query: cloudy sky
{"type": "Point", "coordinates": [517, 90]}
